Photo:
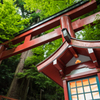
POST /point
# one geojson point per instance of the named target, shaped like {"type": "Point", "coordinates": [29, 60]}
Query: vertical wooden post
{"type": "Point", "coordinates": [98, 76]}
{"type": "Point", "coordinates": [27, 39]}
{"type": "Point", "coordinates": [65, 22]}
{"type": "Point", "coordinates": [2, 48]}
{"type": "Point", "coordinates": [65, 90]}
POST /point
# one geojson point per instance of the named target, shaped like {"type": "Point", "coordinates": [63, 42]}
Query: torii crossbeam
{"type": "Point", "coordinates": [74, 59]}
{"type": "Point", "coordinates": [53, 21]}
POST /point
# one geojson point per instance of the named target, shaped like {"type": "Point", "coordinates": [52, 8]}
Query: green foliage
{"type": "Point", "coordinates": [7, 69]}
{"type": "Point", "coordinates": [10, 21]}
{"type": "Point", "coordinates": [39, 80]}
{"type": "Point", "coordinates": [34, 17]}
{"type": "Point", "coordinates": [48, 7]}
{"type": "Point", "coordinates": [91, 32]}
{"type": "Point", "coordinates": [39, 54]}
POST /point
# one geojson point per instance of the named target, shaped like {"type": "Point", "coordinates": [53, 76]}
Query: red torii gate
{"type": "Point", "coordinates": [73, 54]}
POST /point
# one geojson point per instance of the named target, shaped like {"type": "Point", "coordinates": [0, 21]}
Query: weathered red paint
{"type": "Point", "coordinates": [65, 90]}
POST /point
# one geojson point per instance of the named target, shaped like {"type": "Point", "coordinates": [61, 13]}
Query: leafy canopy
{"type": "Point", "coordinates": [48, 7]}
{"type": "Point", "coordinates": [10, 21]}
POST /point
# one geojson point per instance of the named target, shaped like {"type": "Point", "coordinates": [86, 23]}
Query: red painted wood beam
{"type": "Point", "coordinates": [65, 22]}
{"type": "Point", "coordinates": [85, 44]}
{"type": "Point", "coordinates": [81, 75]}
{"type": "Point", "coordinates": [73, 51]}
{"type": "Point", "coordinates": [4, 97]}
{"type": "Point", "coordinates": [59, 67]}
{"type": "Point", "coordinates": [81, 10]}
{"type": "Point", "coordinates": [93, 57]}
{"type": "Point", "coordinates": [62, 63]}
{"type": "Point", "coordinates": [77, 25]}
{"type": "Point", "coordinates": [31, 44]}
{"type": "Point", "coordinates": [51, 37]}
{"type": "Point", "coordinates": [52, 57]}
{"type": "Point", "coordinates": [65, 90]}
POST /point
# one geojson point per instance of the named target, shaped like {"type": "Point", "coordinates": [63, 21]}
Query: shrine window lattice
{"type": "Point", "coordinates": [84, 89]}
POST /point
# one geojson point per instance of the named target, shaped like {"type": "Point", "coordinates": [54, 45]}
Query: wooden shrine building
{"type": "Point", "coordinates": [75, 65]}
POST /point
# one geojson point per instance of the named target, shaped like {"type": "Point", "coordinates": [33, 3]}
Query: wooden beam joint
{"type": "Point", "coordinates": [93, 57]}
{"type": "Point", "coordinates": [59, 67]}
{"type": "Point", "coordinates": [73, 51]}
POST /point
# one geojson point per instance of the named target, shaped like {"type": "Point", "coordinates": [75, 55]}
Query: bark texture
{"type": "Point", "coordinates": [19, 87]}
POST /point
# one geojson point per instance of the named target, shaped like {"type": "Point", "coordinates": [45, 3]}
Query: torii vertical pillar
{"type": "Point", "coordinates": [65, 22]}
{"type": "Point", "coordinates": [65, 90]}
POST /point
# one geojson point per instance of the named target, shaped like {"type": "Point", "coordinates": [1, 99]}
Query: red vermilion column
{"type": "Point", "coordinates": [2, 48]}
{"type": "Point", "coordinates": [65, 90]}
{"type": "Point", "coordinates": [65, 22]}
{"type": "Point", "coordinates": [98, 76]}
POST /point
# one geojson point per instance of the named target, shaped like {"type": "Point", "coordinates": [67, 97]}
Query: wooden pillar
{"type": "Point", "coordinates": [98, 74]}
{"type": "Point", "coordinates": [65, 22]}
{"type": "Point", "coordinates": [65, 90]}
{"type": "Point", "coordinates": [2, 48]}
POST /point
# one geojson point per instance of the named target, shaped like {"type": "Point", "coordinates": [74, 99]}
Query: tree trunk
{"type": "Point", "coordinates": [19, 87]}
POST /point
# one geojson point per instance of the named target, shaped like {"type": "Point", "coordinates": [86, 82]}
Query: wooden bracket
{"type": "Point", "coordinates": [59, 67]}
{"type": "Point", "coordinates": [93, 56]}
{"type": "Point", "coordinates": [73, 51]}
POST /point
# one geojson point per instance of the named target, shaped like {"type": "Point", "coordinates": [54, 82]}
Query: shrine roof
{"type": "Point", "coordinates": [65, 57]}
